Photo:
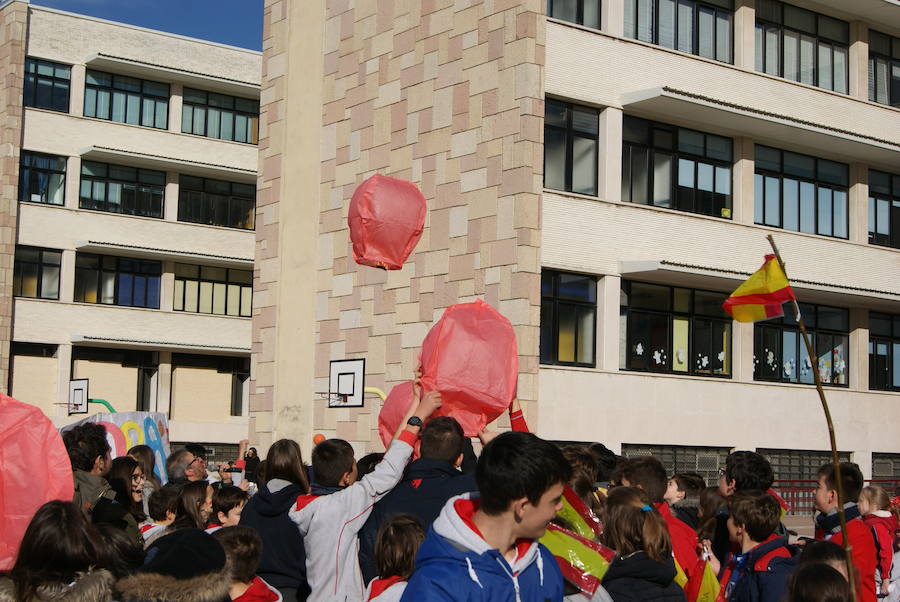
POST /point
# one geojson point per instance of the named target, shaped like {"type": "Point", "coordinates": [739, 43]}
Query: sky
{"type": "Point", "coordinates": [234, 22]}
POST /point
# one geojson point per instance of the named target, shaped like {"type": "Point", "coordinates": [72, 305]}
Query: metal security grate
{"type": "Point", "coordinates": [216, 452]}
{"type": "Point", "coordinates": [885, 466]}
{"type": "Point", "coordinates": [705, 461]}
{"type": "Point", "coordinates": [798, 464]}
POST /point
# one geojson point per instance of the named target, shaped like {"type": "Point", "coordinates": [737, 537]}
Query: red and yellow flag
{"type": "Point", "coordinates": [582, 562]}
{"type": "Point", "coordinates": [760, 296]}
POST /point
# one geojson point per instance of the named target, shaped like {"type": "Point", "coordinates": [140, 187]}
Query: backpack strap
{"type": "Point", "coordinates": [763, 563]}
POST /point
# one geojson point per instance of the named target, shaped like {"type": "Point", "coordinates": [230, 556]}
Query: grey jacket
{"type": "Point", "coordinates": [95, 586]}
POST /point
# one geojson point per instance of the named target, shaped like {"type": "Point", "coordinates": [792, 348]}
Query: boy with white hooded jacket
{"type": "Point", "coordinates": [484, 547]}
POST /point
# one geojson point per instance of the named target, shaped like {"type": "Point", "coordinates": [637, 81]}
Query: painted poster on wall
{"type": "Point", "coordinates": [124, 430]}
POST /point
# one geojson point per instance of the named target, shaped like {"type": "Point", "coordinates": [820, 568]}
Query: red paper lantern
{"type": "Point", "coordinates": [394, 410]}
{"type": "Point", "coordinates": [470, 356]}
{"type": "Point", "coordinates": [386, 220]}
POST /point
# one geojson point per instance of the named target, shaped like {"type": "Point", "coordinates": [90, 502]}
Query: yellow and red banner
{"type": "Point", "coordinates": [760, 297]}
{"type": "Point", "coordinates": [703, 586]}
{"type": "Point", "coordinates": [583, 562]}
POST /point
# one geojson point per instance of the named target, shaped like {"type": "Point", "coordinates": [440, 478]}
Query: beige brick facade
{"type": "Point", "coordinates": [449, 95]}
{"type": "Point", "coordinates": [13, 26]}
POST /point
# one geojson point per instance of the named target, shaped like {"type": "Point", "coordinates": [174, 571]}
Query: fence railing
{"type": "Point", "coordinates": [799, 493]}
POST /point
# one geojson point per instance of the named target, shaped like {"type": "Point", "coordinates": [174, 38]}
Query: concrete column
{"type": "Point", "coordinates": [63, 376]}
{"type": "Point", "coordinates": [742, 352]}
{"type": "Point", "coordinates": [610, 185]}
{"type": "Point", "coordinates": [858, 203]}
{"type": "Point", "coordinates": [167, 286]}
{"type": "Point", "coordinates": [67, 276]}
{"type": "Point", "coordinates": [76, 91]}
{"type": "Point", "coordinates": [164, 383]}
{"type": "Point", "coordinates": [170, 201]}
{"type": "Point", "coordinates": [745, 34]}
{"type": "Point", "coordinates": [608, 296]}
{"type": "Point", "coordinates": [73, 182]}
{"type": "Point", "coordinates": [863, 457]}
{"type": "Point", "coordinates": [612, 17]}
{"type": "Point", "coordinates": [858, 86]}
{"type": "Point", "coordinates": [858, 357]}
{"type": "Point", "coordinates": [742, 186]}
{"type": "Point", "coordinates": [175, 103]}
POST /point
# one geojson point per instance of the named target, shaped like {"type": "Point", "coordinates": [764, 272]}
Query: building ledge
{"type": "Point", "coordinates": [153, 71]}
{"type": "Point", "coordinates": [764, 126]}
{"type": "Point", "coordinates": [158, 254]}
{"type": "Point", "coordinates": [94, 341]}
{"type": "Point", "coordinates": [163, 163]}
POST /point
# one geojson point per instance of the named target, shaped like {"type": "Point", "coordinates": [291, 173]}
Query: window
{"type": "Point", "coordinates": [238, 367]}
{"type": "Point", "coordinates": [120, 189]}
{"type": "Point", "coordinates": [779, 353]}
{"type": "Point", "coordinates": [568, 317]}
{"type": "Point", "coordinates": [47, 85]}
{"type": "Point", "coordinates": [885, 466]}
{"type": "Point", "coordinates": [801, 45]}
{"type": "Point", "coordinates": [117, 280]}
{"type": "Point", "coordinates": [42, 178]}
{"type": "Point", "coordinates": [676, 330]}
{"type": "Point", "coordinates": [220, 116]}
{"type": "Point", "coordinates": [217, 203]}
{"type": "Point", "coordinates": [702, 27]}
{"type": "Point", "coordinates": [145, 362]}
{"type": "Point", "coordinates": [582, 12]}
{"type": "Point", "coordinates": [884, 209]}
{"type": "Point", "coordinates": [884, 69]}
{"type": "Point", "coordinates": [884, 352]}
{"type": "Point", "coordinates": [800, 193]}
{"type": "Point", "coordinates": [126, 99]}
{"type": "Point", "coordinates": [209, 290]}
{"type": "Point", "coordinates": [677, 168]}
{"type": "Point", "coordinates": [570, 147]}
{"type": "Point", "coordinates": [798, 464]}
{"type": "Point", "coordinates": [705, 461]}
{"type": "Point", "coordinates": [36, 273]}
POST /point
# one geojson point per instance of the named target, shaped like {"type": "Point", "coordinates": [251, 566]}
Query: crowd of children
{"type": "Point", "coordinates": [387, 528]}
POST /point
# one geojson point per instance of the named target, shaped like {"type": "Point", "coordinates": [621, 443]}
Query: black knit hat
{"type": "Point", "coordinates": [184, 554]}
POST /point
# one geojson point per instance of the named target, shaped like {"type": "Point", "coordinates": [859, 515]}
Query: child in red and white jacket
{"type": "Point", "coordinates": [875, 507]}
{"type": "Point", "coordinates": [395, 557]}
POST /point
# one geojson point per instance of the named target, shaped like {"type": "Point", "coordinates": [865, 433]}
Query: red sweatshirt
{"type": "Point", "coordinates": [865, 558]}
{"type": "Point", "coordinates": [684, 539]}
{"type": "Point", "coordinates": [884, 524]}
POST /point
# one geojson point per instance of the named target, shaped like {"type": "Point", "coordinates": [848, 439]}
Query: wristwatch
{"type": "Point", "coordinates": [414, 421]}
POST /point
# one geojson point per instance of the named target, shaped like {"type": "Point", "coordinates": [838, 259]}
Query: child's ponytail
{"type": "Point", "coordinates": [633, 525]}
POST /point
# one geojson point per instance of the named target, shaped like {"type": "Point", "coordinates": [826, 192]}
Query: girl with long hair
{"type": "Point", "coordinates": [643, 568]}
{"type": "Point", "coordinates": [194, 506]}
{"type": "Point", "coordinates": [145, 456]}
{"type": "Point", "coordinates": [126, 478]}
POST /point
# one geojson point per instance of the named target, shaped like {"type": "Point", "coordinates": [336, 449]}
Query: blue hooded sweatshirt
{"type": "Point", "coordinates": [455, 563]}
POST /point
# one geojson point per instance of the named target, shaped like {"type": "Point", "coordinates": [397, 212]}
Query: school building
{"type": "Point", "coordinates": [127, 206]}
{"type": "Point", "coordinates": [603, 172]}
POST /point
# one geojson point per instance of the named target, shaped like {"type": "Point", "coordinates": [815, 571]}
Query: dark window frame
{"type": "Point", "coordinates": [551, 301]}
{"type": "Point", "coordinates": [197, 205]}
{"type": "Point", "coordinates": [107, 265]}
{"type": "Point", "coordinates": [553, 6]}
{"type": "Point", "coordinates": [890, 338]}
{"type": "Point", "coordinates": [678, 201]}
{"type": "Point", "coordinates": [892, 60]}
{"type": "Point", "coordinates": [761, 174]}
{"type": "Point", "coordinates": [570, 134]}
{"type": "Point", "coordinates": [42, 263]}
{"type": "Point", "coordinates": [696, 322]}
{"type": "Point", "coordinates": [146, 363]}
{"type": "Point", "coordinates": [34, 79]}
{"type": "Point", "coordinates": [884, 196]}
{"type": "Point", "coordinates": [819, 39]}
{"type": "Point", "coordinates": [200, 279]}
{"type": "Point", "coordinates": [138, 187]}
{"type": "Point", "coordinates": [33, 174]}
{"type": "Point", "coordinates": [818, 335]}
{"type": "Point", "coordinates": [117, 85]}
{"type": "Point", "coordinates": [725, 7]}
{"type": "Point", "coordinates": [189, 115]}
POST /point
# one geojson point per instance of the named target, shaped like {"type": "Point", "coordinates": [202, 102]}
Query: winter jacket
{"type": "Point", "coordinates": [684, 539]}
{"type": "Point", "coordinates": [143, 587]}
{"type": "Point", "coordinates": [426, 486]}
{"type": "Point", "coordinates": [688, 512]}
{"type": "Point", "coordinates": [385, 590]}
{"type": "Point", "coordinates": [455, 563]}
{"type": "Point", "coordinates": [765, 572]}
{"type": "Point", "coordinates": [259, 591]}
{"type": "Point", "coordinates": [283, 562]}
{"type": "Point", "coordinates": [883, 525]}
{"type": "Point", "coordinates": [638, 578]}
{"type": "Point", "coordinates": [93, 586]}
{"type": "Point", "coordinates": [330, 524]}
{"type": "Point", "coordinates": [862, 540]}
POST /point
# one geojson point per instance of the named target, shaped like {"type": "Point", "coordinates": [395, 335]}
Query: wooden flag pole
{"type": "Point", "coordinates": [848, 549]}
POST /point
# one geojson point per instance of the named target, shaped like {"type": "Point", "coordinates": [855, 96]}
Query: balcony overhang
{"type": "Point", "coordinates": [84, 340]}
{"type": "Point", "coordinates": [126, 250]}
{"type": "Point", "coordinates": [671, 273]}
{"type": "Point", "coordinates": [779, 130]}
{"type": "Point", "coordinates": [875, 12]}
{"type": "Point", "coordinates": [162, 163]}
{"type": "Point", "coordinates": [191, 79]}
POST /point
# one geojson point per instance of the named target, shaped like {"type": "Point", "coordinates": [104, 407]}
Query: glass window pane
{"type": "Point", "coordinates": [206, 294]}
{"type": "Point", "coordinates": [191, 295]}
{"type": "Point", "coordinates": [840, 213]}
{"type": "Point", "coordinates": [833, 173]}
{"type": "Point", "coordinates": [187, 119]}
{"type": "Point", "coordinates": [645, 20]}
{"type": "Point", "coordinates": [566, 335]}
{"type": "Point", "coordinates": [807, 60]}
{"type": "Point", "coordinates": [758, 47]}
{"type": "Point", "coordinates": [686, 173]}
{"type": "Point", "coordinates": [723, 36]}
{"type": "Point", "coordinates": [649, 296]}
{"type": "Point", "coordinates": [585, 336]}
{"type": "Point", "coordinates": [233, 302]}
{"type": "Point", "coordinates": [690, 141]}
{"type": "Point", "coordinates": [50, 282]}
{"type": "Point", "coordinates": [708, 303]}
{"type": "Point", "coordinates": [758, 194]}
{"type": "Point", "coordinates": [705, 177]}
{"type": "Point", "coordinates": [133, 111]}
{"type": "Point", "coordinates": [662, 179]}
{"type": "Point", "coordinates": [833, 318]}
{"type": "Point", "coordinates": [667, 23]}
{"type": "Point", "coordinates": [554, 158]}
{"type": "Point", "coordinates": [768, 158]}
{"type": "Point", "coordinates": [178, 300]}
{"type": "Point", "coordinates": [840, 69]}
{"type": "Point", "coordinates": [807, 207]}
{"type": "Point", "coordinates": [825, 212]}
{"type": "Point", "coordinates": [681, 300]}
{"type": "Point", "coordinates": [773, 50]}
{"type": "Point", "coordinates": [118, 107]}
{"type": "Point", "coordinates": [639, 175]}
{"type": "Point", "coordinates": [802, 166]}
{"type": "Point", "coordinates": [790, 370]}
{"type": "Point", "coordinates": [838, 31]}
{"type": "Point", "coordinates": [584, 168]}
{"type": "Point", "coordinates": [826, 73]}
{"type": "Point", "coordinates": [555, 113]}
{"type": "Point", "coordinates": [883, 217]}
{"type": "Point", "coordinates": [773, 202]}
{"type": "Point", "coordinates": [791, 198]}
{"type": "Point", "coordinates": [108, 287]}
{"type": "Point", "coordinates": [577, 287]}
{"type": "Point", "coordinates": [213, 122]}
{"type": "Point", "coordinates": [686, 25]}
{"type": "Point", "coordinates": [723, 180]}
{"type": "Point", "coordinates": [246, 300]}
{"type": "Point", "coordinates": [219, 298]}
{"type": "Point", "coordinates": [871, 216]}
{"type": "Point", "coordinates": [585, 120]}
{"type": "Point", "coordinates": [706, 33]}
{"type": "Point", "coordinates": [636, 130]}
{"type": "Point", "coordinates": [630, 20]}
{"type": "Point", "coordinates": [680, 344]}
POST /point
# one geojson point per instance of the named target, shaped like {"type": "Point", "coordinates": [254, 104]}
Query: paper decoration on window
{"type": "Point", "coordinates": [721, 356]}
{"type": "Point", "coordinates": [702, 360]}
{"type": "Point", "coordinates": [679, 355]}
{"type": "Point", "coordinates": [788, 368]}
{"type": "Point", "coordinates": [659, 357]}
{"type": "Point", "coordinates": [770, 357]}
{"type": "Point", "coordinates": [639, 349]}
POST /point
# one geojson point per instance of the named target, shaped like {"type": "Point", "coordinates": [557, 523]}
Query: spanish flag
{"type": "Point", "coordinates": [761, 296]}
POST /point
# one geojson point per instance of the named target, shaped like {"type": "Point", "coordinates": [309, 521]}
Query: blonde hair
{"type": "Point", "coordinates": [632, 525]}
{"type": "Point", "coordinates": [876, 496]}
